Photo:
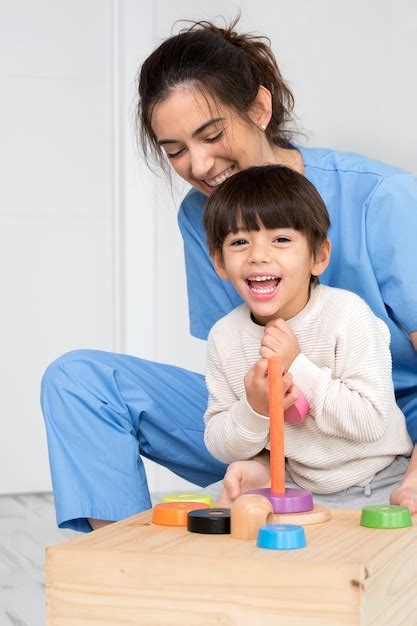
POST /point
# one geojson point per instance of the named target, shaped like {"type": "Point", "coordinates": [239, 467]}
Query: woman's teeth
{"type": "Point", "coordinates": [218, 180]}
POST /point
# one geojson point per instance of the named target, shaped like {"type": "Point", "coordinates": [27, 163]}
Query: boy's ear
{"type": "Point", "coordinates": [219, 265]}
{"type": "Point", "coordinates": [322, 258]}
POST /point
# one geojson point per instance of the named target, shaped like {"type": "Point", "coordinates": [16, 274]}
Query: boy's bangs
{"type": "Point", "coordinates": [268, 214]}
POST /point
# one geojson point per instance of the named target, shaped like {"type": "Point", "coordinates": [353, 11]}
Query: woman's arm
{"type": "Point", "coordinates": [209, 297]}
{"type": "Point", "coordinates": [391, 226]}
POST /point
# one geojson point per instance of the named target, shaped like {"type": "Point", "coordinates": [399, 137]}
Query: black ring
{"type": "Point", "coordinates": [209, 521]}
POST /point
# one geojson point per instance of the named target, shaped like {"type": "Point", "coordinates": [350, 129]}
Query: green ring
{"type": "Point", "coordinates": [386, 516]}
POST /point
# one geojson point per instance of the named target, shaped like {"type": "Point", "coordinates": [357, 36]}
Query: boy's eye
{"type": "Point", "coordinates": [238, 242]}
{"type": "Point", "coordinates": [282, 239]}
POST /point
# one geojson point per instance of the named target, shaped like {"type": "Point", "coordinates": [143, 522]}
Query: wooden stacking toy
{"type": "Point", "coordinates": [188, 496]}
{"type": "Point", "coordinates": [297, 412]}
{"type": "Point", "coordinates": [174, 513]}
{"type": "Point", "coordinates": [282, 500]}
{"type": "Point", "coordinates": [139, 572]}
{"type": "Point", "coordinates": [386, 516]}
{"type": "Point", "coordinates": [248, 514]}
{"type": "Point", "coordinates": [209, 521]}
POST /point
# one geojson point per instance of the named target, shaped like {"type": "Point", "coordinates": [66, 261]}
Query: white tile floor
{"type": "Point", "coordinates": [27, 526]}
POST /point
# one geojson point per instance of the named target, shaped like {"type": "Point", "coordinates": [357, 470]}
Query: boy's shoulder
{"type": "Point", "coordinates": [226, 333]}
{"type": "Point", "coordinates": [344, 306]}
{"type": "Point", "coordinates": [343, 301]}
{"type": "Point", "coordinates": [234, 320]}
{"type": "Point", "coordinates": [337, 294]}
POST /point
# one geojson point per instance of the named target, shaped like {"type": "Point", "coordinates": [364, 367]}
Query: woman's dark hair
{"type": "Point", "coordinates": [221, 63]}
{"type": "Point", "coordinates": [272, 196]}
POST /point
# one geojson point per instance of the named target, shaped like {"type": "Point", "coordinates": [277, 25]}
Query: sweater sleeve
{"type": "Point", "coordinates": [233, 431]}
{"type": "Point", "coordinates": [352, 400]}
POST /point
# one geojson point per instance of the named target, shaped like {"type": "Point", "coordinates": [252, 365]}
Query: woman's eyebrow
{"type": "Point", "coordinates": [199, 130]}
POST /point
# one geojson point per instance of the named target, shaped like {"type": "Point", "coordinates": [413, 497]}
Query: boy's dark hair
{"type": "Point", "coordinates": [272, 196]}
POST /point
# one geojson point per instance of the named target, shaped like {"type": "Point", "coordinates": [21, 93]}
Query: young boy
{"type": "Point", "coordinates": [267, 232]}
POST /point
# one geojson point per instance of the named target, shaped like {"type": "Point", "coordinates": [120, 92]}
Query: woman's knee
{"type": "Point", "coordinates": [62, 366]}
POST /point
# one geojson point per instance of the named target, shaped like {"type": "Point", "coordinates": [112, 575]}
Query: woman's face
{"type": "Point", "coordinates": [207, 142]}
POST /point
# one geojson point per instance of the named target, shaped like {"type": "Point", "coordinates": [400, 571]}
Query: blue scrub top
{"type": "Point", "coordinates": [373, 213]}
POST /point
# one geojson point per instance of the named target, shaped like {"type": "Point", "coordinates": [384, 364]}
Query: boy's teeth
{"type": "Point", "coordinates": [262, 278]}
{"type": "Point", "coordinates": [262, 284]}
{"type": "Point", "coordinates": [267, 290]}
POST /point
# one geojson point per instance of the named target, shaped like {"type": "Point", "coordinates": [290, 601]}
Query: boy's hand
{"type": "Point", "coordinates": [279, 340]}
{"type": "Point", "coordinates": [256, 386]}
{"type": "Point", "coordinates": [241, 476]}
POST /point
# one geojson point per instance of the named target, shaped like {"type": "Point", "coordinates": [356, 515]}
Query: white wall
{"type": "Point", "coordinates": [57, 271]}
{"type": "Point", "coordinates": [82, 220]}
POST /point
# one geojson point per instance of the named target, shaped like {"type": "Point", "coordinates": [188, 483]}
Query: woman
{"type": "Point", "coordinates": [213, 102]}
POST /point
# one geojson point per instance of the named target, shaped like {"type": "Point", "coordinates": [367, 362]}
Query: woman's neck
{"type": "Point", "coordinates": [290, 157]}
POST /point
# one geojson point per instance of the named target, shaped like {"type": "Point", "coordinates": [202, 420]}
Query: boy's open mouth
{"type": "Point", "coordinates": [263, 284]}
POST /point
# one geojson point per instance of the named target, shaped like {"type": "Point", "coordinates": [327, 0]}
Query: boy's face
{"type": "Point", "coordinates": [271, 270]}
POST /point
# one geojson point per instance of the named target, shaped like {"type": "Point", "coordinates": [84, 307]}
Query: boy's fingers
{"type": "Point", "coordinates": [224, 498]}
{"type": "Point", "coordinates": [278, 324]}
{"type": "Point", "coordinates": [261, 368]}
{"type": "Point", "coordinates": [292, 395]}
{"type": "Point", "coordinates": [270, 341]}
{"type": "Point", "coordinates": [231, 482]}
{"type": "Point", "coordinates": [271, 330]}
{"type": "Point", "coordinates": [287, 382]}
{"type": "Point", "coordinates": [281, 325]}
{"type": "Point", "coordinates": [267, 353]}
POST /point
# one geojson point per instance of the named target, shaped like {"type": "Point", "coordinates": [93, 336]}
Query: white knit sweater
{"type": "Point", "coordinates": [354, 428]}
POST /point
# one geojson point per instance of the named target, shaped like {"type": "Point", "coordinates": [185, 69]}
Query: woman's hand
{"type": "Point", "coordinates": [406, 493]}
{"type": "Point", "coordinates": [279, 340]}
{"type": "Point", "coordinates": [256, 386]}
{"type": "Point", "coordinates": [405, 496]}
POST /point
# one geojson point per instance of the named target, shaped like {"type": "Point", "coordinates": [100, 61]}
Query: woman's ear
{"type": "Point", "coordinates": [261, 109]}
{"type": "Point", "coordinates": [219, 265]}
{"type": "Point", "coordinates": [322, 258]}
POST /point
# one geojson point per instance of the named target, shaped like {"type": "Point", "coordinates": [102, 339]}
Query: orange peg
{"type": "Point", "coordinates": [276, 418]}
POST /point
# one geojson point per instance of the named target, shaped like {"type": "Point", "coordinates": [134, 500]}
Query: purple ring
{"type": "Point", "coordinates": [293, 501]}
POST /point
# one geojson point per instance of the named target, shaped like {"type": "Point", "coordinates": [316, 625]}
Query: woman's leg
{"type": "Point", "coordinates": [102, 412]}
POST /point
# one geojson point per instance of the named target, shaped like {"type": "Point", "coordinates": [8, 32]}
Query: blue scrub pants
{"type": "Point", "coordinates": [104, 411]}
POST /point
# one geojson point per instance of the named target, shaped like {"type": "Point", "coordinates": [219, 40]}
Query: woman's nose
{"type": "Point", "coordinates": [201, 163]}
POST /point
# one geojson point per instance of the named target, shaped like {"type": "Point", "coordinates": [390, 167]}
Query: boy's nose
{"type": "Point", "coordinates": [259, 254]}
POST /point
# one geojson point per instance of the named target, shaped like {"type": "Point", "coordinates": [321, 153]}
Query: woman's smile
{"type": "Point", "coordinates": [220, 178]}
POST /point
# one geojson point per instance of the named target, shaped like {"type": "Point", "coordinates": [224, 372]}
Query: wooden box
{"type": "Point", "coordinates": [134, 572]}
